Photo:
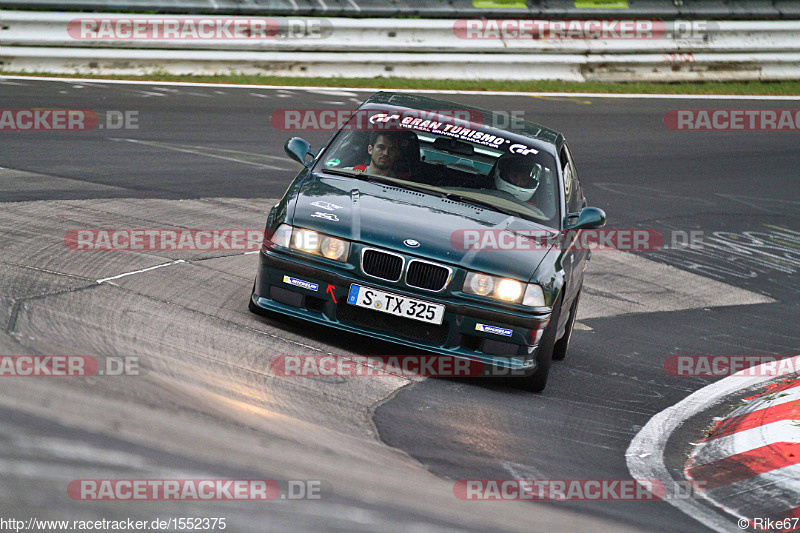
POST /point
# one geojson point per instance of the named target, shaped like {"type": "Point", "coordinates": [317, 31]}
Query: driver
{"type": "Point", "coordinates": [383, 151]}
{"type": "Point", "coordinates": [517, 175]}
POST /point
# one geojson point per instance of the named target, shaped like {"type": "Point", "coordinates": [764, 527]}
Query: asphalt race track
{"type": "Point", "coordinates": [385, 451]}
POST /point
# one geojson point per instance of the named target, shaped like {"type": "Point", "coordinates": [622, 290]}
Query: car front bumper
{"type": "Point", "coordinates": [319, 295]}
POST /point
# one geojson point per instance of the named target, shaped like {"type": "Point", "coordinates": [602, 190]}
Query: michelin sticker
{"type": "Point", "coordinates": [493, 329]}
{"type": "Point", "coordinates": [300, 283]}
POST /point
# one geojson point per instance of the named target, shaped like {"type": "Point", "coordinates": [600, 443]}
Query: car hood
{"type": "Point", "coordinates": [385, 216]}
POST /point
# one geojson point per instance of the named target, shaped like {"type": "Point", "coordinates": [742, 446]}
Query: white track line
{"type": "Point", "coordinates": [645, 455]}
{"type": "Point", "coordinates": [434, 91]}
{"type": "Point", "coordinates": [140, 271]}
{"type": "Point", "coordinates": [199, 150]}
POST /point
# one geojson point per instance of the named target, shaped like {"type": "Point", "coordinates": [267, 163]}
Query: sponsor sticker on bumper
{"type": "Point", "coordinates": [493, 329]}
{"type": "Point", "coordinates": [300, 283]}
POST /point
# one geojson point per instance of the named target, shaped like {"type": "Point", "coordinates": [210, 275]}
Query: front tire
{"type": "Point", "coordinates": [537, 381]}
{"type": "Point", "coordinates": [562, 345]}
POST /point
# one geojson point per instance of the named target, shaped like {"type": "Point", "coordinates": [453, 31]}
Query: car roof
{"type": "Point", "coordinates": [523, 129]}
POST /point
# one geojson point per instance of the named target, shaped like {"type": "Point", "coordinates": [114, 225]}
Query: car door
{"type": "Point", "coordinates": [573, 257]}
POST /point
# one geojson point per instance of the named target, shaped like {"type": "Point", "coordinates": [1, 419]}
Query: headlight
{"type": "Point", "coordinates": [504, 289]}
{"type": "Point", "coordinates": [479, 284]}
{"type": "Point", "coordinates": [305, 240]}
{"type": "Point", "coordinates": [311, 242]}
{"type": "Point", "coordinates": [333, 248]}
{"type": "Point", "coordinates": [509, 290]}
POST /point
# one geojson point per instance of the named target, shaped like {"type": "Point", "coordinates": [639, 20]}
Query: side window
{"type": "Point", "coordinates": [578, 187]}
{"type": "Point", "coordinates": [572, 191]}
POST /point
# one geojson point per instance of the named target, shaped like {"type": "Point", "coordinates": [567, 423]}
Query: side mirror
{"type": "Point", "coordinates": [298, 149]}
{"type": "Point", "coordinates": [590, 218]}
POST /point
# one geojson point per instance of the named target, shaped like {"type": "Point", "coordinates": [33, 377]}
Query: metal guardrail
{"type": "Point", "coordinates": [667, 9]}
{"type": "Point", "coordinates": [24, 28]}
{"type": "Point", "coordinates": [412, 48]}
{"type": "Point", "coordinates": [567, 67]}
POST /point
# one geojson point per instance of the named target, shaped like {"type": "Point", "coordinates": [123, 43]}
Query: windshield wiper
{"type": "Point", "coordinates": [435, 191]}
{"type": "Point", "coordinates": [360, 175]}
{"type": "Point", "coordinates": [340, 172]}
{"type": "Point", "coordinates": [395, 182]}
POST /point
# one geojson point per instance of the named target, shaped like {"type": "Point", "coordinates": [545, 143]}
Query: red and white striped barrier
{"type": "Point", "coordinates": [749, 462]}
{"type": "Point", "coordinates": [745, 470]}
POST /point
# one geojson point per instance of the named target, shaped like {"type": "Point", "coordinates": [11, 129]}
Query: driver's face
{"type": "Point", "coordinates": [383, 152]}
{"type": "Point", "coordinates": [520, 177]}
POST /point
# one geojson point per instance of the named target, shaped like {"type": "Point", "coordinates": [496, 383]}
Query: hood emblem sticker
{"type": "Point", "coordinates": [326, 205]}
{"type": "Point", "coordinates": [411, 243]}
{"type": "Point", "coordinates": [327, 216]}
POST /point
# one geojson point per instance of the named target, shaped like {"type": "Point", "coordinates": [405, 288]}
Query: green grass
{"type": "Point", "coordinates": [748, 88]}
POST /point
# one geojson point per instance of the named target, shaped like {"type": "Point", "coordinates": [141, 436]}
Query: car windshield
{"type": "Point", "coordinates": [463, 163]}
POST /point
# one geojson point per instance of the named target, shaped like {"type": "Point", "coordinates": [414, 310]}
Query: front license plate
{"type": "Point", "coordinates": [393, 304]}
